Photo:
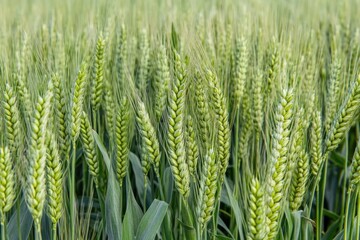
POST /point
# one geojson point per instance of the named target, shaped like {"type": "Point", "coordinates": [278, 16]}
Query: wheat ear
{"type": "Point", "coordinates": [98, 74]}
{"type": "Point", "coordinates": [7, 183]}
{"type": "Point", "coordinates": [223, 128]}
{"type": "Point", "coordinates": [192, 151]}
{"type": "Point", "coordinates": [122, 139]}
{"type": "Point", "coordinates": [175, 135]}
{"type": "Point", "coordinates": [78, 102]}
{"type": "Point", "coordinates": [278, 162]}
{"type": "Point", "coordinates": [36, 180]}
{"type": "Point", "coordinates": [316, 143]}
{"type": "Point", "coordinates": [54, 180]}
{"type": "Point", "coordinates": [344, 118]}
{"type": "Point", "coordinates": [89, 146]}
{"type": "Point", "coordinates": [60, 118]}
{"type": "Point", "coordinates": [161, 82]}
{"type": "Point", "coordinates": [257, 214]}
{"type": "Point", "coordinates": [148, 136]}
{"type": "Point", "coordinates": [208, 188]}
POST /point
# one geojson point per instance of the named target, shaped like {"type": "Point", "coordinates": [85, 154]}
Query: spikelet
{"type": "Point", "coordinates": [316, 143]}
{"type": "Point", "coordinates": [12, 119]}
{"type": "Point", "coordinates": [344, 118]}
{"type": "Point", "coordinates": [202, 113]}
{"type": "Point", "coordinates": [122, 140]}
{"type": "Point", "coordinates": [89, 147]}
{"type": "Point", "coordinates": [148, 136]}
{"type": "Point", "coordinates": [36, 180]}
{"type": "Point", "coordinates": [98, 74]}
{"type": "Point", "coordinates": [192, 151]}
{"type": "Point", "coordinates": [223, 128]}
{"type": "Point", "coordinates": [208, 188]}
{"type": "Point", "coordinates": [257, 214]}
{"type": "Point", "coordinates": [7, 183]}
{"type": "Point", "coordinates": [299, 180]}
{"type": "Point", "coordinates": [175, 135]}
{"type": "Point", "coordinates": [161, 82]}
{"type": "Point", "coordinates": [239, 72]}
{"type": "Point", "coordinates": [54, 180]}
{"type": "Point", "coordinates": [278, 165]}
{"type": "Point", "coordinates": [61, 114]}
{"type": "Point", "coordinates": [78, 95]}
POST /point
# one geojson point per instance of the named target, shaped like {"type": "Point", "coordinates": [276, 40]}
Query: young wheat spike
{"type": "Point", "coordinates": [61, 114]}
{"type": "Point", "coordinates": [223, 128]}
{"type": "Point", "coordinates": [148, 136]}
{"type": "Point", "coordinates": [89, 148]}
{"type": "Point", "coordinates": [109, 110]}
{"type": "Point", "coordinates": [316, 143]}
{"type": "Point", "coordinates": [122, 139]}
{"type": "Point", "coordinates": [77, 103]}
{"type": "Point", "coordinates": [161, 82]}
{"type": "Point", "coordinates": [22, 88]}
{"type": "Point", "coordinates": [121, 54]}
{"type": "Point", "coordinates": [240, 70]}
{"type": "Point", "coordinates": [344, 118]}
{"type": "Point", "coordinates": [208, 188]}
{"type": "Point", "coordinates": [355, 168]}
{"type": "Point", "coordinates": [143, 64]}
{"type": "Point", "coordinates": [272, 71]}
{"type": "Point", "coordinates": [12, 119]}
{"type": "Point", "coordinates": [98, 74]}
{"type": "Point", "coordinates": [299, 180]}
{"type": "Point", "coordinates": [296, 146]}
{"type": "Point", "coordinates": [257, 215]}
{"type": "Point", "coordinates": [333, 94]}
{"type": "Point", "coordinates": [246, 131]}
{"type": "Point", "coordinates": [192, 150]}
{"type": "Point", "coordinates": [278, 164]}
{"type": "Point", "coordinates": [7, 183]}
{"type": "Point", "coordinates": [258, 102]}
{"type": "Point", "coordinates": [202, 112]}
{"type": "Point", "coordinates": [54, 180]}
{"type": "Point", "coordinates": [36, 180]}
{"type": "Point", "coordinates": [175, 135]}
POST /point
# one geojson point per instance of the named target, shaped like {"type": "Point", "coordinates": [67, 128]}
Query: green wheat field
{"type": "Point", "coordinates": [179, 120]}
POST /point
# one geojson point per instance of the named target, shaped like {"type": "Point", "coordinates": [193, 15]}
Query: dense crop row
{"type": "Point", "coordinates": [180, 120]}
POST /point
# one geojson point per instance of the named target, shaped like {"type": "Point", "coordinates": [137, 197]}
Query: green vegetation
{"type": "Point", "coordinates": [179, 119]}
